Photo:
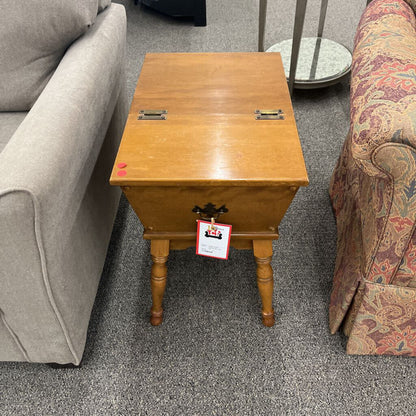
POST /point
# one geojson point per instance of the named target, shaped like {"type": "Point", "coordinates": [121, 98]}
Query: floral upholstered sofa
{"type": "Point", "coordinates": [373, 188]}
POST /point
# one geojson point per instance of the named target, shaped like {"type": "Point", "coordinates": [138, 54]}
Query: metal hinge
{"type": "Point", "coordinates": [152, 115]}
{"type": "Point", "coordinates": [269, 115]}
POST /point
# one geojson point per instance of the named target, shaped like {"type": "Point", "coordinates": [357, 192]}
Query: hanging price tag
{"type": "Point", "coordinates": [213, 240]}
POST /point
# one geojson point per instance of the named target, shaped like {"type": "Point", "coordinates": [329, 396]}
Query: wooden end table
{"type": "Point", "coordinates": [195, 143]}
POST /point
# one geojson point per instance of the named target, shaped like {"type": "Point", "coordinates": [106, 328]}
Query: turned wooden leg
{"type": "Point", "coordinates": [263, 252]}
{"type": "Point", "coordinates": [159, 249]}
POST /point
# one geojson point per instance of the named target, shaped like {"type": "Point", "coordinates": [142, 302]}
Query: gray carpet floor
{"type": "Point", "coordinates": [212, 356]}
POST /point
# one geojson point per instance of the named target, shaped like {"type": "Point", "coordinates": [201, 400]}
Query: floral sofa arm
{"type": "Point", "coordinates": [383, 84]}
{"type": "Point", "coordinates": [373, 188]}
{"type": "Point", "coordinates": [376, 172]}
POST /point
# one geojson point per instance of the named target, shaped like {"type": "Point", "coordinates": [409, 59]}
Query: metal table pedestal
{"type": "Point", "coordinates": [308, 62]}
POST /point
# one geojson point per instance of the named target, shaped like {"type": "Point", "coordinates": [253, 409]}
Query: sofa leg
{"type": "Point", "coordinates": [58, 366]}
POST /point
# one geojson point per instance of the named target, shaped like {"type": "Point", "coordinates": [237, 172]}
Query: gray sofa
{"type": "Point", "coordinates": [62, 111]}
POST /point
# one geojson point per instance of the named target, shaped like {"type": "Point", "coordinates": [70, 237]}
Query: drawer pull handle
{"type": "Point", "coordinates": [209, 211]}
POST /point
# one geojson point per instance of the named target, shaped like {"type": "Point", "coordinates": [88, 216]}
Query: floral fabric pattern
{"type": "Point", "coordinates": [405, 273]}
{"type": "Point", "coordinates": [383, 321]}
{"type": "Point", "coordinates": [383, 83]}
{"type": "Point", "coordinates": [373, 188]}
{"type": "Point", "coordinates": [412, 4]}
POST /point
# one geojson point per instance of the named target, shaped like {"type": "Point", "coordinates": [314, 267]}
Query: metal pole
{"type": "Point", "coordinates": [297, 35]}
{"type": "Point", "coordinates": [262, 23]}
{"type": "Point", "coordinates": [324, 6]}
{"type": "Point", "coordinates": [322, 16]}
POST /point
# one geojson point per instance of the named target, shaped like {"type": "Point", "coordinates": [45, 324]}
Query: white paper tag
{"type": "Point", "coordinates": [213, 242]}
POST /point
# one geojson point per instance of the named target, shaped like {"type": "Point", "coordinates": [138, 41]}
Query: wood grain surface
{"type": "Point", "coordinates": [211, 135]}
{"type": "Point", "coordinates": [211, 149]}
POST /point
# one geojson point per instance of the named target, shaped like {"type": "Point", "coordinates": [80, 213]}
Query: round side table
{"type": "Point", "coordinates": [309, 62]}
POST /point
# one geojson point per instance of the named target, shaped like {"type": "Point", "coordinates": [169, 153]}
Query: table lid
{"type": "Point", "coordinates": [210, 135]}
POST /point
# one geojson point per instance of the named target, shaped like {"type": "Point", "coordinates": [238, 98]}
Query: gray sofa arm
{"type": "Point", "coordinates": [44, 172]}
{"type": "Point", "coordinates": [52, 147]}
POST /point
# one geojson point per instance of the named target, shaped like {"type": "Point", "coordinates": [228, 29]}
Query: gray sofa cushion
{"type": "Point", "coordinates": [33, 38]}
{"type": "Point", "coordinates": [9, 122]}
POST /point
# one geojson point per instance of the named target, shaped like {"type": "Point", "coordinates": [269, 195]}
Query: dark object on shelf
{"type": "Point", "coordinates": [180, 8]}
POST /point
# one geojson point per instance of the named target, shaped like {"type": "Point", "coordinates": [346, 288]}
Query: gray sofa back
{"type": "Point", "coordinates": [33, 38]}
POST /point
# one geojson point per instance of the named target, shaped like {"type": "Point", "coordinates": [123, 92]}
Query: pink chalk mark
{"type": "Point", "coordinates": [121, 173]}
{"type": "Point", "coordinates": [122, 165]}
